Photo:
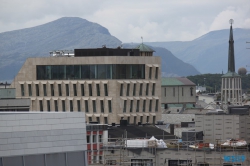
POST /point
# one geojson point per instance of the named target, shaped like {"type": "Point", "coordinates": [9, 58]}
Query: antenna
{"type": "Point", "coordinates": [231, 21]}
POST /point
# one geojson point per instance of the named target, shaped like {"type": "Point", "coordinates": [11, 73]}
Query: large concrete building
{"type": "Point", "coordinates": [231, 90]}
{"type": "Point", "coordinates": [107, 84]}
{"type": "Point", "coordinates": [43, 139]}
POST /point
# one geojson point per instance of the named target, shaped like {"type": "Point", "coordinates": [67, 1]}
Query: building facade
{"type": "Point", "coordinates": [231, 90]}
{"type": "Point", "coordinates": [106, 84]}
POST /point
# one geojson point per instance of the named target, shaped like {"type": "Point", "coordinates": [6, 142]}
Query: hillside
{"type": "Point", "coordinates": [208, 53]}
{"type": "Point", "coordinates": [64, 33]}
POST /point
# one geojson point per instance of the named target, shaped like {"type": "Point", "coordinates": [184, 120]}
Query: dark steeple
{"type": "Point", "coordinates": [231, 61]}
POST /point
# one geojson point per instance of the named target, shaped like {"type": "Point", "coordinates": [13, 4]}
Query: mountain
{"type": "Point", "coordinates": [65, 33]}
{"type": "Point", "coordinates": [170, 65]}
{"type": "Point", "coordinates": [209, 53]}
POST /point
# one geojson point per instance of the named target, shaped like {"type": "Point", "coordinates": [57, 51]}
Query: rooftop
{"type": "Point", "coordinates": [144, 48]}
{"type": "Point", "coordinates": [176, 81]}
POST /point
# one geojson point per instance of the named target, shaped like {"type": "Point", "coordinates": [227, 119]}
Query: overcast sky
{"type": "Point", "coordinates": [128, 20]}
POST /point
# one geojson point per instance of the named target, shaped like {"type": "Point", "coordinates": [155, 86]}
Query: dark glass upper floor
{"type": "Point", "coordinates": [101, 71]}
{"type": "Point", "coordinates": [106, 52]}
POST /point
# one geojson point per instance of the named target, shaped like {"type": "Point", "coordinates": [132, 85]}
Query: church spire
{"type": "Point", "coordinates": [231, 61]}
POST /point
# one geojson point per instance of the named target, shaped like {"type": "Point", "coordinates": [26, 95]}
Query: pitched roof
{"type": "Point", "coordinates": [176, 81]}
{"type": "Point", "coordinates": [144, 48]}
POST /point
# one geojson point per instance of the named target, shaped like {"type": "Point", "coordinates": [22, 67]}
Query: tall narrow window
{"type": "Point", "coordinates": [131, 105]}
{"type": "Point", "coordinates": [191, 91]}
{"type": "Point", "coordinates": [128, 88]}
{"type": "Point", "coordinates": [90, 89]}
{"type": "Point", "coordinates": [147, 85]}
{"type": "Point", "coordinates": [63, 106]}
{"type": "Point", "coordinates": [71, 105]}
{"type": "Point", "coordinates": [67, 89]}
{"type": "Point", "coordinates": [150, 72]}
{"type": "Point", "coordinates": [150, 105]}
{"type": "Point", "coordinates": [52, 89]}
{"type": "Point", "coordinates": [75, 89]}
{"type": "Point", "coordinates": [90, 119]}
{"type": "Point", "coordinates": [137, 105]}
{"type": "Point", "coordinates": [98, 119]}
{"type": "Point", "coordinates": [153, 119]}
{"type": "Point", "coordinates": [173, 91]}
{"type": "Point", "coordinates": [79, 105]}
{"type": "Point", "coordinates": [86, 106]}
{"type": "Point", "coordinates": [147, 119]}
{"type": "Point", "coordinates": [56, 106]}
{"type": "Point", "coordinates": [97, 89]}
{"type": "Point", "coordinates": [30, 89]}
{"type": "Point", "coordinates": [156, 73]}
{"type": "Point", "coordinates": [41, 105]}
{"type": "Point", "coordinates": [182, 91]}
{"type": "Point", "coordinates": [141, 86]}
{"type": "Point", "coordinates": [105, 120]}
{"type": "Point", "coordinates": [144, 105]}
{"type": "Point", "coordinates": [102, 106]}
{"type": "Point", "coordinates": [156, 105]}
{"type": "Point", "coordinates": [37, 90]}
{"type": "Point", "coordinates": [141, 119]}
{"type": "Point", "coordinates": [110, 106]}
{"type": "Point", "coordinates": [134, 90]}
{"type": "Point", "coordinates": [82, 89]}
{"type": "Point", "coordinates": [153, 89]}
{"type": "Point", "coordinates": [106, 89]}
{"type": "Point", "coordinates": [22, 89]}
{"type": "Point", "coordinates": [44, 90]}
{"type": "Point", "coordinates": [60, 89]}
{"type": "Point", "coordinates": [124, 105]}
{"type": "Point", "coordinates": [134, 120]}
{"type": "Point", "coordinates": [121, 90]}
{"type": "Point", "coordinates": [94, 105]}
{"type": "Point", "coordinates": [48, 105]}
{"type": "Point", "coordinates": [128, 120]}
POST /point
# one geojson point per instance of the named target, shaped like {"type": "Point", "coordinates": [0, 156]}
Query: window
{"type": "Point", "coordinates": [134, 119]}
{"type": "Point", "coordinates": [128, 120]}
{"type": "Point", "coordinates": [102, 106]}
{"type": "Point", "coordinates": [22, 89]}
{"type": "Point", "coordinates": [60, 89]}
{"type": "Point", "coordinates": [121, 90]}
{"type": "Point", "coordinates": [124, 105]}
{"type": "Point", "coordinates": [153, 119]}
{"type": "Point", "coordinates": [137, 105]}
{"type": "Point", "coordinates": [156, 105]}
{"type": "Point", "coordinates": [100, 138]}
{"type": "Point", "coordinates": [134, 90]}
{"type": "Point", "coordinates": [131, 105]}
{"type": "Point", "coordinates": [56, 106]}
{"type": "Point", "coordinates": [52, 89]}
{"type": "Point", "coordinates": [67, 89]}
{"type": "Point", "coordinates": [75, 89]}
{"type": "Point", "coordinates": [30, 89]}
{"type": "Point", "coordinates": [110, 106]}
{"type": "Point", "coordinates": [141, 86]}
{"type": "Point", "coordinates": [147, 89]}
{"type": "Point", "coordinates": [153, 89]}
{"type": "Point", "coordinates": [173, 91]}
{"type": "Point", "coordinates": [97, 89]}
{"type": "Point", "coordinates": [79, 105]}
{"type": "Point", "coordinates": [88, 138]}
{"type": "Point", "coordinates": [128, 88]}
{"type": "Point", "coordinates": [141, 119]}
{"type": "Point", "coordinates": [105, 120]}
{"type": "Point", "coordinates": [90, 90]}
{"type": "Point", "coordinates": [86, 106]}
{"type": "Point", "coordinates": [82, 89]}
{"type": "Point", "coordinates": [150, 72]}
{"type": "Point", "coordinates": [150, 105]}
{"type": "Point", "coordinates": [41, 105]}
{"type": "Point", "coordinates": [98, 119]}
{"type": "Point", "coordinates": [48, 105]}
{"type": "Point", "coordinates": [37, 90]}
{"type": "Point", "coordinates": [93, 138]}
{"type": "Point", "coordinates": [144, 105]}
{"type": "Point", "coordinates": [106, 89]}
{"type": "Point", "coordinates": [44, 90]}
{"type": "Point", "coordinates": [94, 105]}
{"type": "Point", "coordinates": [90, 119]}
{"type": "Point", "coordinates": [156, 73]}
{"type": "Point", "coordinates": [71, 105]}
{"type": "Point", "coordinates": [63, 106]}
{"type": "Point", "coordinates": [147, 119]}
{"type": "Point", "coordinates": [191, 91]}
